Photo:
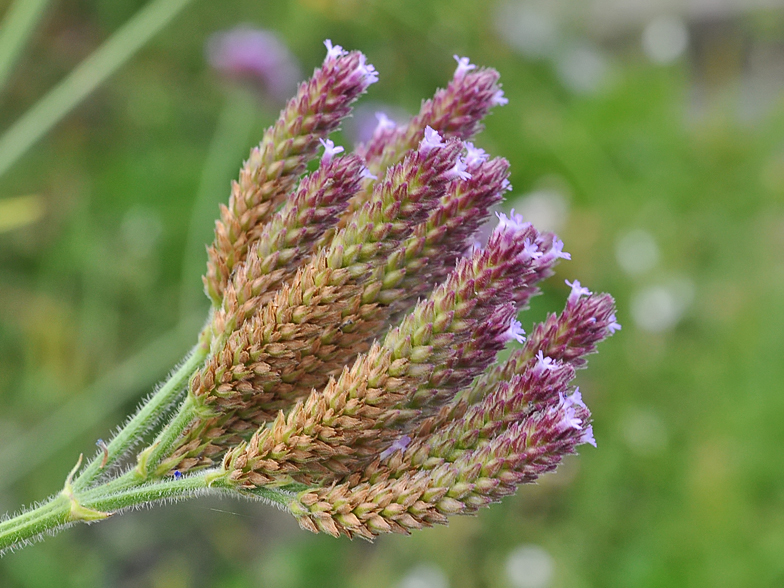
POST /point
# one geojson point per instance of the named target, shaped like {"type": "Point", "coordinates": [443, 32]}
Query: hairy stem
{"type": "Point", "coordinates": [147, 415]}
{"type": "Point", "coordinates": [160, 448]}
{"type": "Point", "coordinates": [25, 528]}
{"type": "Point", "coordinates": [71, 506]}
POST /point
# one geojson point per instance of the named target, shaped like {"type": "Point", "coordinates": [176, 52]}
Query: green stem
{"type": "Point", "coordinates": [95, 504]}
{"type": "Point", "coordinates": [85, 78]}
{"type": "Point", "coordinates": [49, 517]}
{"type": "Point", "coordinates": [147, 415]}
{"type": "Point", "coordinates": [160, 448]}
{"type": "Point", "coordinates": [19, 23]}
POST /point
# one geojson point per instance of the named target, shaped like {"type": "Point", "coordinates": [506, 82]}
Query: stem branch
{"type": "Point", "coordinates": [143, 419]}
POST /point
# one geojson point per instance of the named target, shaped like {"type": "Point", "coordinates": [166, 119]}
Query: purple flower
{"type": "Point", "coordinates": [367, 174]}
{"type": "Point", "coordinates": [531, 250]}
{"type": "Point", "coordinates": [255, 55]}
{"type": "Point", "coordinates": [614, 325]}
{"type": "Point", "coordinates": [329, 150]}
{"type": "Point", "coordinates": [577, 292]}
{"type": "Point", "coordinates": [459, 171]}
{"type": "Point", "coordinates": [587, 436]}
{"type": "Point", "coordinates": [498, 99]}
{"type": "Point", "coordinates": [515, 221]}
{"type": "Point", "coordinates": [474, 155]}
{"type": "Point", "coordinates": [558, 251]}
{"type": "Point", "coordinates": [384, 123]}
{"type": "Point", "coordinates": [399, 445]}
{"type": "Point", "coordinates": [576, 398]}
{"type": "Point", "coordinates": [463, 67]}
{"type": "Point", "coordinates": [366, 71]}
{"type": "Point", "coordinates": [333, 51]}
{"type": "Point", "coordinates": [542, 363]}
{"type": "Point", "coordinates": [431, 141]}
{"type": "Point", "coordinates": [569, 418]}
{"type": "Point", "coordinates": [516, 331]}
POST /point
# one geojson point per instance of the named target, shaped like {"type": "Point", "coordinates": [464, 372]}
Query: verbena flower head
{"type": "Point", "coordinates": [349, 368]}
{"type": "Point", "coordinates": [353, 356]}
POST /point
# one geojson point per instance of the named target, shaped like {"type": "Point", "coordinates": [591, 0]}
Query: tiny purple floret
{"type": "Point", "coordinates": [459, 171]}
{"type": "Point", "coordinates": [333, 51]}
{"type": "Point", "coordinates": [367, 72]}
{"type": "Point", "coordinates": [577, 291]}
{"type": "Point", "coordinates": [513, 221]}
{"type": "Point", "coordinates": [463, 67]}
{"type": "Point", "coordinates": [530, 250]}
{"type": "Point", "coordinates": [384, 123]}
{"type": "Point", "coordinates": [516, 331]}
{"type": "Point", "coordinates": [576, 398]}
{"type": "Point", "coordinates": [587, 436]}
{"type": "Point", "coordinates": [329, 150]}
{"type": "Point", "coordinates": [474, 155]}
{"type": "Point", "coordinates": [570, 419]}
{"type": "Point", "coordinates": [558, 250]}
{"type": "Point", "coordinates": [431, 141]}
{"type": "Point", "coordinates": [543, 363]}
{"type": "Point", "coordinates": [366, 174]}
{"type": "Point", "coordinates": [498, 99]}
{"type": "Point", "coordinates": [398, 445]}
{"type": "Point", "coordinates": [614, 325]}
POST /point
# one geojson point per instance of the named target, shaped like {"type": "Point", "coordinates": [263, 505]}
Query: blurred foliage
{"type": "Point", "coordinates": [686, 487]}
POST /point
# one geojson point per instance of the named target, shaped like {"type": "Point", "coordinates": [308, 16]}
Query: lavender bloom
{"type": "Point", "coordinates": [333, 51]}
{"type": "Point", "coordinates": [498, 99]}
{"type": "Point", "coordinates": [257, 56]}
{"type": "Point", "coordinates": [577, 291]}
{"type": "Point", "coordinates": [398, 445]}
{"type": "Point", "coordinates": [330, 151]}
{"type": "Point", "coordinates": [374, 121]}
{"type": "Point", "coordinates": [474, 155]}
{"type": "Point", "coordinates": [384, 123]}
{"type": "Point", "coordinates": [463, 67]}
{"type": "Point", "coordinates": [516, 331]}
{"type": "Point", "coordinates": [432, 140]}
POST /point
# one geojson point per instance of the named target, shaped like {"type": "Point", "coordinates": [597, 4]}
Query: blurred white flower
{"type": "Point", "coordinates": [636, 252]}
{"type": "Point", "coordinates": [426, 575]}
{"type": "Point", "coordinates": [531, 30]}
{"type": "Point", "coordinates": [665, 39]}
{"type": "Point", "coordinates": [583, 69]}
{"type": "Point", "coordinates": [659, 308]}
{"type": "Point", "coordinates": [644, 432]}
{"type": "Point", "coordinates": [529, 566]}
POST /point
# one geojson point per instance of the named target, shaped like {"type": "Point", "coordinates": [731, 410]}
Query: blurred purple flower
{"type": "Point", "coordinates": [257, 56]}
{"type": "Point", "coordinates": [372, 118]}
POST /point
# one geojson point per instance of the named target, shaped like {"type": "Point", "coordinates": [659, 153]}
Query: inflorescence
{"type": "Point", "coordinates": [349, 366]}
{"type": "Point", "coordinates": [356, 326]}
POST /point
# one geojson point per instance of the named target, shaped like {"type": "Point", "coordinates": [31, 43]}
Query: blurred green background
{"type": "Point", "coordinates": [649, 135]}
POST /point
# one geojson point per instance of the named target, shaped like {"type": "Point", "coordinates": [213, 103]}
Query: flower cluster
{"type": "Point", "coordinates": [348, 370]}
{"type": "Point", "coordinates": [355, 330]}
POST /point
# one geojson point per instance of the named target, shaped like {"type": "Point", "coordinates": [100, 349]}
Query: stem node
{"type": "Point", "coordinates": [78, 512]}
